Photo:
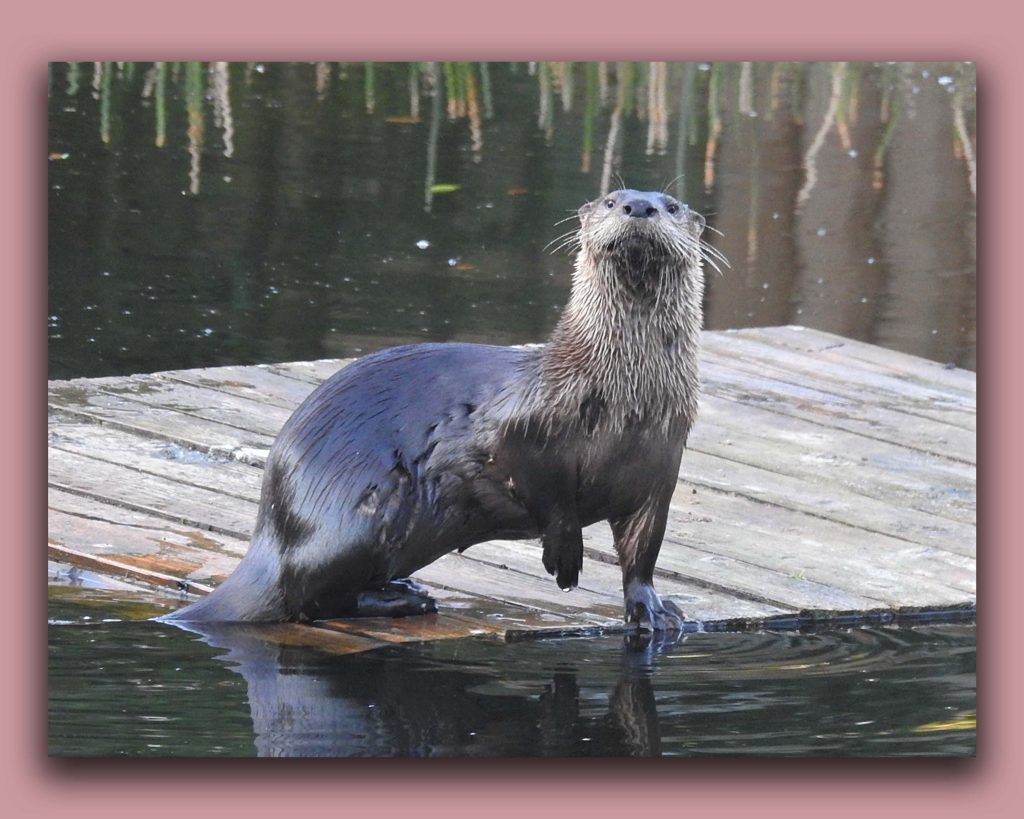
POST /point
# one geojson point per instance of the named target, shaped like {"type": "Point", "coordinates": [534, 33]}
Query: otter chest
{"type": "Point", "coordinates": [617, 474]}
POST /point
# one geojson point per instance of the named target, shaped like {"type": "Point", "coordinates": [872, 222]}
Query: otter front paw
{"type": "Point", "coordinates": [644, 605]}
{"type": "Point", "coordinates": [563, 557]}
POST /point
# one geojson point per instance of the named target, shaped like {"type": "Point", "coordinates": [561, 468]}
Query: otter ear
{"type": "Point", "coordinates": [697, 223]}
{"type": "Point", "coordinates": [585, 208]}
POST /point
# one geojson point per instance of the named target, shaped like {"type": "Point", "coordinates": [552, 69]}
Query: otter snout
{"type": "Point", "coordinates": [642, 228]}
{"type": "Point", "coordinates": [639, 208]}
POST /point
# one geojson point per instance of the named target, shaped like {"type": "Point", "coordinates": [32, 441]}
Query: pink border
{"type": "Point", "coordinates": [782, 29]}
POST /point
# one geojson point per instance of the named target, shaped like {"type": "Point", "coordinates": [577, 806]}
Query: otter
{"type": "Point", "coordinates": [416, 451]}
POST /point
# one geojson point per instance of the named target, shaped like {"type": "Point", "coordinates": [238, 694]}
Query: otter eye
{"type": "Point", "coordinates": [609, 203]}
{"type": "Point", "coordinates": [673, 208]}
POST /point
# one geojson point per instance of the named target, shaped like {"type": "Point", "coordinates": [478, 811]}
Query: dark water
{"type": "Point", "coordinates": [123, 687]}
{"type": "Point", "coordinates": [212, 213]}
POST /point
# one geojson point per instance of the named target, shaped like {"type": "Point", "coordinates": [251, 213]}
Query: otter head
{"type": "Point", "coordinates": [641, 236]}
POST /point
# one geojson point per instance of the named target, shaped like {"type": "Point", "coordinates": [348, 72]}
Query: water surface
{"type": "Point", "coordinates": [139, 688]}
{"type": "Point", "coordinates": [216, 213]}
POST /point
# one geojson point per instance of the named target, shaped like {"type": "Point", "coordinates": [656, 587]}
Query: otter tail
{"type": "Point", "coordinates": [250, 594]}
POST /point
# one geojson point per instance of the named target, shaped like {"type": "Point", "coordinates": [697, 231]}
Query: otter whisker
{"type": "Point", "coordinates": [710, 250]}
{"type": "Point", "coordinates": [566, 240]}
{"type": "Point", "coordinates": [572, 215]}
{"type": "Point", "coordinates": [713, 264]}
{"type": "Point", "coordinates": [571, 244]}
{"type": "Point", "coordinates": [672, 181]}
{"type": "Point", "coordinates": [562, 235]}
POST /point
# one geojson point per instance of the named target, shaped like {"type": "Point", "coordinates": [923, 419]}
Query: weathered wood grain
{"type": "Point", "coordinates": [859, 355]}
{"type": "Point", "coordinates": [753, 350]}
{"type": "Point", "coordinates": [73, 399]}
{"type": "Point", "coordinates": [902, 477]}
{"type": "Point", "coordinates": [833, 411]}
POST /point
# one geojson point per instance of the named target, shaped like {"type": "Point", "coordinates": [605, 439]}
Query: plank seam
{"type": "Point", "coordinates": [186, 413]}
{"type": "Point", "coordinates": [159, 475]}
{"type": "Point", "coordinates": [141, 508]}
{"type": "Point", "coordinates": [809, 513]}
{"type": "Point", "coordinates": [806, 479]}
{"type": "Point", "coordinates": [602, 556]}
{"type": "Point", "coordinates": [906, 445]}
{"type": "Point", "coordinates": [113, 423]}
{"type": "Point", "coordinates": [963, 402]}
{"type": "Point", "coordinates": [64, 554]}
{"type": "Point", "coordinates": [268, 399]}
{"type": "Point", "coordinates": [788, 337]}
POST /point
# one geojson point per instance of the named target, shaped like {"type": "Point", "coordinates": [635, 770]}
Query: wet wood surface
{"type": "Point", "coordinates": [823, 476]}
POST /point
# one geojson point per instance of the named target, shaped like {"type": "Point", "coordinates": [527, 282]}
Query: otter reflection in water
{"type": "Point", "coordinates": [482, 698]}
{"type": "Point", "coordinates": [416, 451]}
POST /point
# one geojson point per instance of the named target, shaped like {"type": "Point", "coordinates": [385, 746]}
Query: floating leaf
{"type": "Point", "coordinates": [964, 722]}
{"type": "Point", "coordinates": [444, 187]}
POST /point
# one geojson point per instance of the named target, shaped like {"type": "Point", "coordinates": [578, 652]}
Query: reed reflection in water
{"type": "Point", "coordinates": [206, 213]}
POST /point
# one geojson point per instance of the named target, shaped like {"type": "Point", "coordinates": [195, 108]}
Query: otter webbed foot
{"type": "Point", "coordinates": [399, 598]}
{"type": "Point", "coordinates": [644, 605]}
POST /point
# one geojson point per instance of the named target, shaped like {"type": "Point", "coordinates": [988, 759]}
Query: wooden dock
{"type": "Point", "coordinates": [826, 480]}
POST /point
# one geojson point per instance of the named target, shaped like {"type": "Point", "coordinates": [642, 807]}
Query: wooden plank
{"type": "Point", "coordinates": [830, 347]}
{"type": "Point", "coordinates": [120, 568]}
{"type": "Point", "coordinates": [758, 583]}
{"type": "Point", "coordinates": [844, 377]}
{"type": "Point", "coordinates": [152, 456]}
{"type": "Point", "coordinates": [440, 626]}
{"type": "Point", "coordinates": [68, 577]}
{"type": "Point", "coordinates": [827, 502]}
{"type": "Point", "coordinates": [883, 472]}
{"type": "Point", "coordinates": [312, 372]}
{"type": "Point", "coordinates": [158, 422]}
{"type": "Point", "coordinates": [259, 383]}
{"type": "Point", "coordinates": [246, 414]}
{"type": "Point", "coordinates": [292, 634]}
{"type": "Point", "coordinates": [835, 412]}
{"type": "Point", "coordinates": [140, 540]}
{"type": "Point", "coordinates": [155, 495]}
{"type": "Point", "coordinates": [841, 558]}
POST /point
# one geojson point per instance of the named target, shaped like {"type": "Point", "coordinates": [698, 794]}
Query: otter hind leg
{"type": "Point", "coordinates": [398, 598]}
{"type": "Point", "coordinates": [644, 605]}
{"type": "Point", "coordinates": [638, 540]}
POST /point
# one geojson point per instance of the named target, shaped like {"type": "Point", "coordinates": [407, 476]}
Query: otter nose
{"type": "Point", "coordinates": [639, 207]}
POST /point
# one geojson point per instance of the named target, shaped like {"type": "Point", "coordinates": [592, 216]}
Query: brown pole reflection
{"type": "Point", "coordinates": [755, 206]}
{"type": "Point", "coordinates": [930, 303]}
{"type": "Point", "coordinates": [840, 279]}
